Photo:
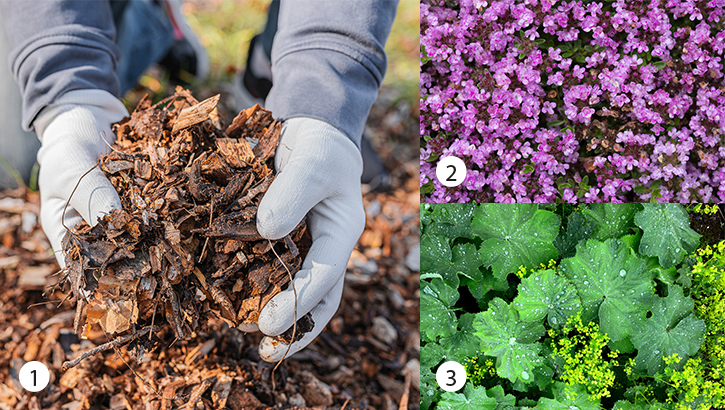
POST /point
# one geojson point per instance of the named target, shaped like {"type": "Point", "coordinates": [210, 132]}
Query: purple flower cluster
{"type": "Point", "coordinates": [548, 100]}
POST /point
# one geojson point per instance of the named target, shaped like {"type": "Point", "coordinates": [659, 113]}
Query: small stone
{"type": "Point", "coordinates": [367, 266]}
{"type": "Point", "coordinates": [297, 400]}
{"type": "Point", "coordinates": [316, 393]}
{"type": "Point", "coordinates": [336, 325]}
{"type": "Point", "coordinates": [413, 367]}
{"type": "Point", "coordinates": [412, 260]}
{"type": "Point", "coordinates": [29, 221]}
{"type": "Point", "coordinates": [396, 299]}
{"type": "Point", "coordinates": [373, 208]}
{"type": "Point", "coordinates": [413, 341]}
{"type": "Point", "coordinates": [384, 331]}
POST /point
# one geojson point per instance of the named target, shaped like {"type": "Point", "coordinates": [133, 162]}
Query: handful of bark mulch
{"type": "Point", "coordinates": [184, 248]}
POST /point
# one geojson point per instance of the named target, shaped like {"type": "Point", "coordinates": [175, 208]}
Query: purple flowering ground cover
{"type": "Point", "coordinates": [574, 101]}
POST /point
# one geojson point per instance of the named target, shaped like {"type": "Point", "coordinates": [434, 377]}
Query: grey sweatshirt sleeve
{"type": "Point", "coordinates": [59, 46]}
{"type": "Point", "coordinates": [328, 60]}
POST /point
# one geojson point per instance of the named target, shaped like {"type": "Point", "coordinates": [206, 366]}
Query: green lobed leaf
{"type": "Point", "coordinates": [462, 343]}
{"type": "Point", "coordinates": [440, 290]}
{"type": "Point", "coordinates": [546, 294]}
{"type": "Point", "coordinates": [429, 390]}
{"type": "Point", "coordinates": [431, 354]}
{"type": "Point", "coordinates": [667, 233]}
{"type": "Point", "coordinates": [436, 317]}
{"type": "Point", "coordinates": [672, 329]}
{"type": "Point", "coordinates": [568, 398]}
{"type": "Point", "coordinates": [613, 284]}
{"type": "Point", "coordinates": [515, 235]}
{"type": "Point", "coordinates": [436, 256]}
{"type": "Point", "coordinates": [625, 405]}
{"type": "Point", "coordinates": [611, 220]}
{"type": "Point", "coordinates": [512, 341]}
{"type": "Point", "coordinates": [451, 221]}
{"type": "Point", "coordinates": [578, 228]}
{"type": "Point", "coordinates": [473, 398]}
{"type": "Point", "coordinates": [503, 401]}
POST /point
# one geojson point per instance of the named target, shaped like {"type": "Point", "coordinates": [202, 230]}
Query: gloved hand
{"type": "Point", "coordinates": [319, 172]}
{"type": "Point", "coordinates": [72, 132]}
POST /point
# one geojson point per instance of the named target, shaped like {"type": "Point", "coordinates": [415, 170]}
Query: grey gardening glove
{"type": "Point", "coordinates": [70, 131]}
{"type": "Point", "coordinates": [319, 176]}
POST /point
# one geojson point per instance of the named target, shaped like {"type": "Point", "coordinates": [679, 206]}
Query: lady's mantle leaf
{"type": "Point", "coordinates": [625, 405]}
{"type": "Point", "coordinates": [428, 388]}
{"type": "Point", "coordinates": [612, 220]}
{"type": "Point", "coordinates": [612, 283]}
{"type": "Point", "coordinates": [451, 220]}
{"type": "Point", "coordinates": [568, 398]}
{"type": "Point", "coordinates": [515, 235]}
{"type": "Point", "coordinates": [578, 228]}
{"type": "Point", "coordinates": [547, 294]}
{"type": "Point", "coordinates": [436, 317]}
{"type": "Point", "coordinates": [436, 256]}
{"type": "Point", "coordinates": [513, 342]}
{"type": "Point", "coordinates": [667, 233]}
{"type": "Point", "coordinates": [673, 328]}
{"type": "Point", "coordinates": [473, 398]}
{"type": "Point", "coordinates": [463, 343]}
{"type": "Point", "coordinates": [503, 401]}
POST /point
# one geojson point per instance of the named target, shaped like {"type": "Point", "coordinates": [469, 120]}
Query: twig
{"type": "Point", "coordinates": [294, 324]}
{"type": "Point", "coordinates": [345, 404]}
{"type": "Point", "coordinates": [153, 315]}
{"type": "Point", "coordinates": [404, 400]}
{"type": "Point", "coordinates": [120, 356]}
{"type": "Point", "coordinates": [103, 137]}
{"type": "Point", "coordinates": [206, 242]}
{"type": "Point", "coordinates": [110, 345]}
{"type": "Point", "coordinates": [62, 217]}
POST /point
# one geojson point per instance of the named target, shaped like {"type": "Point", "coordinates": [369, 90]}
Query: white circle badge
{"type": "Point", "coordinates": [451, 171]}
{"type": "Point", "coordinates": [451, 376]}
{"type": "Point", "coordinates": [34, 376]}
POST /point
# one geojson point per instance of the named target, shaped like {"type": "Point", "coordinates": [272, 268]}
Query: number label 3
{"type": "Point", "coordinates": [451, 171]}
{"type": "Point", "coordinates": [451, 376]}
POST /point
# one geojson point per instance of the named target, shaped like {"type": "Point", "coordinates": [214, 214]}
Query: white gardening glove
{"type": "Point", "coordinates": [70, 131]}
{"type": "Point", "coordinates": [319, 176]}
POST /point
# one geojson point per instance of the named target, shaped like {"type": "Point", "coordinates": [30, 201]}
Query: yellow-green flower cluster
{"type": "Point", "coordinates": [702, 380]}
{"type": "Point", "coordinates": [692, 388]}
{"type": "Point", "coordinates": [479, 370]}
{"type": "Point", "coordinates": [582, 349]}
{"type": "Point", "coordinates": [523, 273]}
{"type": "Point", "coordinates": [705, 209]}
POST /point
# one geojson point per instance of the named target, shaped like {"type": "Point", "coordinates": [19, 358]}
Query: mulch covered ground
{"type": "Point", "coordinates": [367, 358]}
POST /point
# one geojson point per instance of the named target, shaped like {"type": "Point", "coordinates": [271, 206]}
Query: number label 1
{"type": "Point", "coordinates": [451, 376]}
{"type": "Point", "coordinates": [34, 376]}
{"type": "Point", "coordinates": [451, 171]}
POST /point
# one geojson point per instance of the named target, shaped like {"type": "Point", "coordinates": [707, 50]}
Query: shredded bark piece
{"type": "Point", "coordinates": [184, 248]}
